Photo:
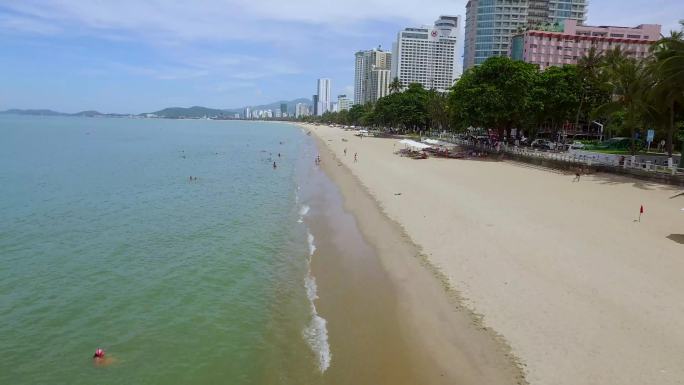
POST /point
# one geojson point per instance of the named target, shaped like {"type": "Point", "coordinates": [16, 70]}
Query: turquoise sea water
{"type": "Point", "coordinates": [105, 242]}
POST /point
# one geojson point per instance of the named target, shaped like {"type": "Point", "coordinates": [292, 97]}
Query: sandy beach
{"type": "Point", "coordinates": [389, 320]}
{"type": "Point", "coordinates": [562, 272]}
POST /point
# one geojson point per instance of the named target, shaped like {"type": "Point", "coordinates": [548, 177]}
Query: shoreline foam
{"type": "Point", "coordinates": [316, 333]}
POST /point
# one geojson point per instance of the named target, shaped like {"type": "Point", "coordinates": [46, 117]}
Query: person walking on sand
{"type": "Point", "coordinates": [355, 157]}
{"type": "Point", "coordinates": [345, 152]}
{"type": "Point", "coordinates": [578, 174]}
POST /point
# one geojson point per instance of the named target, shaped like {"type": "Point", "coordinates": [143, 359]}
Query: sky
{"type": "Point", "coordinates": [133, 56]}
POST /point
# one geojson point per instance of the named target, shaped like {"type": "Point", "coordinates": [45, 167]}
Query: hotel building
{"type": "Point", "coordinates": [571, 41]}
{"type": "Point", "coordinates": [428, 55]}
{"type": "Point", "coordinates": [301, 110]}
{"type": "Point", "coordinates": [323, 101]}
{"type": "Point", "coordinates": [343, 103]}
{"type": "Point", "coordinates": [371, 75]}
{"type": "Point", "coordinates": [491, 23]}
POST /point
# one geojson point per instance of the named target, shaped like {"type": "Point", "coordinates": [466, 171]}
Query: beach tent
{"type": "Point", "coordinates": [416, 146]}
{"type": "Point", "coordinates": [436, 142]}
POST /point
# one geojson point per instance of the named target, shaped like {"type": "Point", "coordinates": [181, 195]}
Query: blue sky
{"type": "Point", "coordinates": [143, 55]}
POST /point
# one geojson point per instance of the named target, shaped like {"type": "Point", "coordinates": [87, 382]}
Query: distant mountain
{"type": "Point", "coordinates": [16, 111]}
{"type": "Point", "coordinates": [191, 112]}
{"type": "Point", "coordinates": [194, 112]}
{"type": "Point", "coordinates": [91, 113]}
{"type": "Point", "coordinates": [204, 112]}
{"type": "Point", "coordinates": [97, 114]}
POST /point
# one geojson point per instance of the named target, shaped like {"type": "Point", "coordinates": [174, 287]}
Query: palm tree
{"type": "Point", "coordinates": [395, 85]}
{"type": "Point", "coordinates": [628, 80]}
{"type": "Point", "coordinates": [668, 68]}
{"type": "Point", "coordinates": [589, 68]}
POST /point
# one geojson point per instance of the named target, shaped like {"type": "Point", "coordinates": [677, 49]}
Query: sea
{"type": "Point", "coordinates": [174, 245]}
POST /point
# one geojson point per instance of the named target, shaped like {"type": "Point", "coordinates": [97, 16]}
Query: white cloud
{"type": "Point", "coordinates": [249, 20]}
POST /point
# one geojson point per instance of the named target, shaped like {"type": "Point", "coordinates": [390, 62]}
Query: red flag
{"type": "Point", "coordinates": [641, 211]}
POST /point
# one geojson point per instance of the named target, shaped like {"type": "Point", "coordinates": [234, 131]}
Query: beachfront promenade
{"type": "Point", "coordinates": [581, 290]}
{"type": "Point", "coordinates": [627, 163]}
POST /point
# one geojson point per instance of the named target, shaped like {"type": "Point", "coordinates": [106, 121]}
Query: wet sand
{"type": "Point", "coordinates": [390, 319]}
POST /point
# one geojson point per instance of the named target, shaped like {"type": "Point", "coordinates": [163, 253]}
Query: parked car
{"type": "Point", "coordinates": [576, 145]}
{"type": "Point", "coordinates": [543, 144]}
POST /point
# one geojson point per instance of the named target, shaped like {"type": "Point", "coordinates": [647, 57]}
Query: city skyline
{"type": "Point", "coordinates": [138, 57]}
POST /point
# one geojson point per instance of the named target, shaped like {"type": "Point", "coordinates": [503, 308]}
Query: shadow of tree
{"type": "Point", "coordinates": [679, 238]}
{"type": "Point", "coordinates": [613, 179]}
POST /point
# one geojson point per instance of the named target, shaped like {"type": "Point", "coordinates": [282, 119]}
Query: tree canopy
{"type": "Point", "coordinates": [624, 94]}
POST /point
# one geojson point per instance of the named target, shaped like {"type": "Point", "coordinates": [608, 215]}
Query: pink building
{"type": "Point", "coordinates": [571, 42]}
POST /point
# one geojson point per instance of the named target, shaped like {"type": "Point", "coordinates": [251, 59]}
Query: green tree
{"type": "Point", "coordinates": [395, 86]}
{"type": "Point", "coordinates": [496, 94]}
{"type": "Point", "coordinates": [437, 109]}
{"type": "Point", "coordinates": [629, 80]}
{"type": "Point", "coordinates": [561, 93]}
{"type": "Point", "coordinates": [412, 109]}
{"type": "Point", "coordinates": [593, 84]}
{"type": "Point", "coordinates": [668, 91]}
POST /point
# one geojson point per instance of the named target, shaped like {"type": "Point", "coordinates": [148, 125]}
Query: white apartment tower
{"type": "Point", "coordinates": [370, 75]}
{"type": "Point", "coordinates": [428, 55]}
{"type": "Point", "coordinates": [343, 103]}
{"type": "Point", "coordinates": [323, 93]}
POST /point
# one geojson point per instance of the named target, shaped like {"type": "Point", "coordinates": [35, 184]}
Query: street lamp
{"type": "Point", "coordinates": [600, 130]}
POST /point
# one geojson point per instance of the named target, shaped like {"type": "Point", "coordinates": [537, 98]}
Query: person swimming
{"type": "Point", "coordinates": [101, 360]}
{"type": "Point", "coordinates": [99, 353]}
{"type": "Point", "coordinates": [274, 165]}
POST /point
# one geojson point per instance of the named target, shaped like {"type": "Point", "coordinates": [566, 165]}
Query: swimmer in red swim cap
{"type": "Point", "coordinates": [99, 353]}
{"type": "Point", "coordinates": [100, 359]}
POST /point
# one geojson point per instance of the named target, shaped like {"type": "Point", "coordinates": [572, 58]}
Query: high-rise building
{"type": "Point", "coordinates": [302, 110]}
{"type": "Point", "coordinates": [324, 102]}
{"type": "Point", "coordinates": [248, 113]}
{"type": "Point", "coordinates": [366, 78]}
{"type": "Point", "coordinates": [428, 55]}
{"type": "Point", "coordinates": [314, 98]}
{"type": "Point", "coordinates": [566, 43]}
{"type": "Point", "coordinates": [490, 24]}
{"type": "Point", "coordinates": [378, 86]}
{"type": "Point", "coordinates": [283, 109]}
{"type": "Point", "coordinates": [343, 103]}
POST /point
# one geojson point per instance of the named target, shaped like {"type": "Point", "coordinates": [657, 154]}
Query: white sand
{"type": "Point", "coordinates": [581, 292]}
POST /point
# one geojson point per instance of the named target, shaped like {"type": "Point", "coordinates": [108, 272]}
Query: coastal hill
{"type": "Point", "coordinates": [45, 112]}
{"type": "Point", "coordinates": [16, 111]}
{"type": "Point", "coordinates": [201, 112]}
{"type": "Point", "coordinates": [190, 112]}
{"type": "Point", "coordinates": [170, 112]}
